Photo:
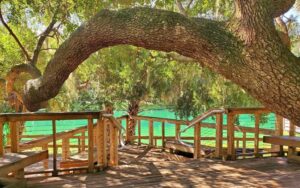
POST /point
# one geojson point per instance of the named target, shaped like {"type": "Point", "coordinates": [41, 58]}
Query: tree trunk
{"type": "Point", "coordinates": [133, 110]}
{"type": "Point", "coordinates": [246, 50]}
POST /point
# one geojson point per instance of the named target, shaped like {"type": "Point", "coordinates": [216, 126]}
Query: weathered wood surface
{"type": "Point", "coordinates": [45, 140]}
{"type": "Point", "coordinates": [156, 169]}
{"type": "Point", "coordinates": [11, 162]}
{"type": "Point", "coordinates": [34, 116]}
{"type": "Point", "coordinates": [283, 140]}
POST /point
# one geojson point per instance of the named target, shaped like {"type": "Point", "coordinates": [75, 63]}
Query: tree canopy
{"type": "Point", "coordinates": [236, 39]}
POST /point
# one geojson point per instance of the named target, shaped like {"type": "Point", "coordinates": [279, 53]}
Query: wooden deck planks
{"type": "Point", "coordinates": [154, 170]}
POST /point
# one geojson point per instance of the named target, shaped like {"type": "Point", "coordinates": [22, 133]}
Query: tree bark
{"type": "Point", "coordinates": [133, 110]}
{"type": "Point", "coordinates": [246, 50]}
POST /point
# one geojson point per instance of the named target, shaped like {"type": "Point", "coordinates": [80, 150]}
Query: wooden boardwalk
{"type": "Point", "coordinates": [142, 167]}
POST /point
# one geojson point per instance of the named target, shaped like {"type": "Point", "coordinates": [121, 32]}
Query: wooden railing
{"type": "Point", "coordinates": [96, 137]}
{"type": "Point", "coordinates": [221, 149]}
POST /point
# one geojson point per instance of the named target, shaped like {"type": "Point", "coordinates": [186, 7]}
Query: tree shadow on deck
{"type": "Point", "coordinates": [153, 168]}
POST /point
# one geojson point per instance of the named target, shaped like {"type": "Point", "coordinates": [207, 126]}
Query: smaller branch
{"type": "Point", "coordinates": [41, 40]}
{"type": "Point", "coordinates": [180, 7]}
{"type": "Point", "coordinates": [189, 5]}
{"type": "Point", "coordinates": [27, 56]}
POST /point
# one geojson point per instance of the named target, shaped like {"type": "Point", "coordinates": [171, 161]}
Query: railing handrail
{"type": "Point", "coordinates": [118, 125]}
{"type": "Point", "coordinates": [199, 119]}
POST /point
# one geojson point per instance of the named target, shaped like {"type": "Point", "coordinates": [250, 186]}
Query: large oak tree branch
{"type": "Point", "coordinates": [24, 51]}
{"type": "Point", "coordinates": [247, 51]}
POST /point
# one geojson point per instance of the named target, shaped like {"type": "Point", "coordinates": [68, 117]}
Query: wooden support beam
{"type": "Point", "coordinates": [102, 143]}
{"type": "Point", "coordinates": [283, 140]}
{"type": "Point", "coordinates": [278, 132]}
{"type": "Point", "coordinates": [177, 130]}
{"type": "Point", "coordinates": [139, 131]}
{"type": "Point", "coordinates": [127, 130]}
{"type": "Point", "coordinates": [230, 137]}
{"type": "Point", "coordinates": [256, 135]}
{"type": "Point", "coordinates": [197, 141]}
{"type": "Point", "coordinates": [219, 135]}
{"type": "Point", "coordinates": [1, 139]}
{"type": "Point", "coordinates": [292, 130]}
{"type": "Point", "coordinates": [14, 136]}
{"type": "Point", "coordinates": [54, 173]}
{"type": "Point", "coordinates": [45, 162]}
{"type": "Point", "coordinates": [82, 141]}
{"type": "Point", "coordinates": [65, 148]}
{"type": "Point", "coordinates": [113, 159]}
{"type": "Point", "coordinates": [150, 133]}
{"type": "Point", "coordinates": [244, 143]}
{"type": "Point", "coordinates": [163, 141]}
{"type": "Point", "coordinates": [91, 145]}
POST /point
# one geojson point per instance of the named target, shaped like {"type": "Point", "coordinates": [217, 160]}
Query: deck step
{"type": "Point", "coordinates": [12, 162]}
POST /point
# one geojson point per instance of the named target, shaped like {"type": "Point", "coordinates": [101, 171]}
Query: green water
{"type": "Point", "coordinates": [45, 127]}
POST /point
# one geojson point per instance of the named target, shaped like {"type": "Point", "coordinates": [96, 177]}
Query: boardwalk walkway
{"type": "Point", "coordinates": [152, 168]}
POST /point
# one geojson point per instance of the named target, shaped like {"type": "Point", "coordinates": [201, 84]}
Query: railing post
{"type": "Point", "coordinates": [14, 136]}
{"type": "Point", "coordinates": [65, 148]}
{"type": "Point", "coordinates": [151, 133]}
{"type": "Point", "coordinates": [91, 145]}
{"type": "Point", "coordinates": [139, 132]}
{"type": "Point", "coordinates": [278, 132]}
{"type": "Point", "coordinates": [197, 141]}
{"type": "Point", "coordinates": [113, 158]}
{"type": "Point", "coordinates": [1, 139]}
{"type": "Point", "coordinates": [177, 130]}
{"type": "Point", "coordinates": [102, 142]}
{"type": "Point", "coordinates": [82, 141]}
{"type": "Point", "coordinates": [128, 139]}
{"type": "Point", "coordinates": [256, 135]}
{"type": "Point", "coordinates": [230, 137]}
{"type": "Point", "coordinates": [292, 150]}
{"type": "Point", "coordinates": [219, 135]}
{"type": "Point", "coordinates": [244, 143]}
{"type": "Point", "coordinates": [163, 135]}
{"type": "Point", "coordinates": [45, 162]}
{"type": "Point", "coordinates": [54, 173]}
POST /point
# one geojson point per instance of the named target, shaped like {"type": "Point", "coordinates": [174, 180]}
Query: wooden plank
{"type": "Point", "coordinates": [259, 110]}
{"type": "Point", "coordinates": [219, 135]}
{"type": "Point", "coordinates": [244, 143]}
{"type": "Point", "coordinates": [139, 132]}
{"type": "Point", "coordinates": [256, 135]}
{"type": "Point", "coordinates": [45, 162]}
{"type": "Point", "coordinates": [45, 140]}
{"type": "Point", "coordinates": [54, 173]}
{"type": "Point", "coordinates": [167, 120]}
{"type": "Point", "coordinates": [14, 136]}
{"type": "Point", "coordinates": [230, 137]}
{"type": "Point", "coordinates": [113, 159]}
{"type": "Point", "coordinates": [12, 162]}
{"type": "Point", "coordinates": [1, 139]}
{"type": "Point", "coordinates": [283, 140]}
{"type": "Point", "coordinates": [163, 134]}
{"type": "Point", "coordinates": [150, 133]}
{"type": "Point", "coordinates": [73, 164]}
{"type": "Point", "coordinates": [292, 130]}
{"type": "Point", "coordinates": [82, 141]}
{"type": "Point", "coordinates": [278, 132]}
{"type": "Point", "coordinates": [91, 145]}
{"type": "Point", "coordinates": [102, 143]}
{"type": "Point", "coordinates": [197, 141]}
{"type": "Point", "coordinates": [35, 116]}
{"type": "Point", "coordinates": [177, 130]}
{"type": "Point", "coordinates": [65, 148]}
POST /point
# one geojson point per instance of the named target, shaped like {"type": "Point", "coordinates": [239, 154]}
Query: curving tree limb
{"type": "Point", "coordinates": [246, 50]}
